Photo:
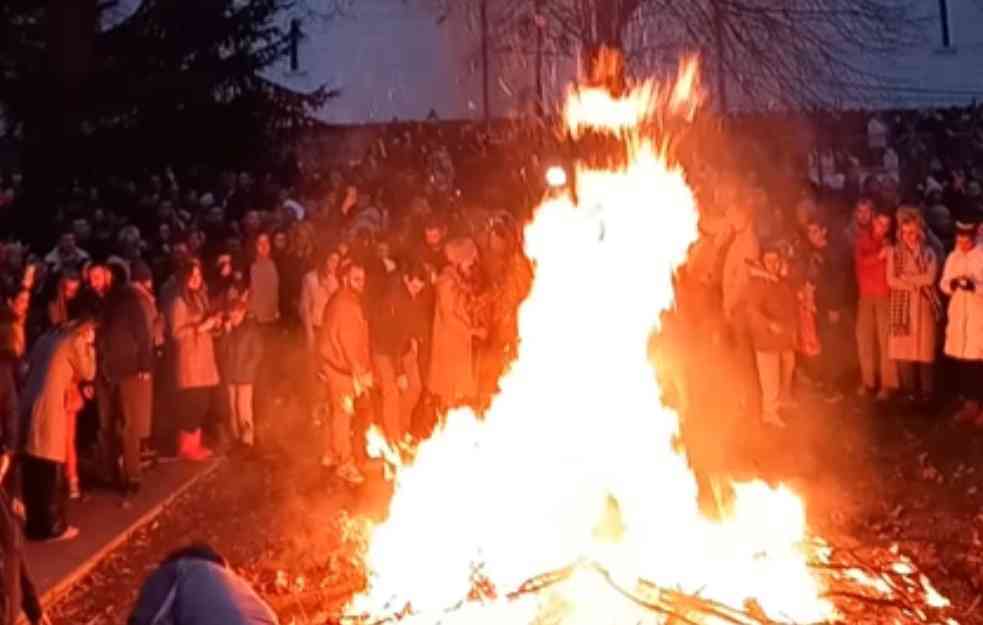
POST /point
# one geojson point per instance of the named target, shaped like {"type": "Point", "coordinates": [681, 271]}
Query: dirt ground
{"type": "Point", "coordinates": [875, 476]}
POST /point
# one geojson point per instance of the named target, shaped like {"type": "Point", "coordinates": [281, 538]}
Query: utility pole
{"type": "Point", "coordinates": [721, 45]}
{"type": "Point", "coordinates": [484, 60]}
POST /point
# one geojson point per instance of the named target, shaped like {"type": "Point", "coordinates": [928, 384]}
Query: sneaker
{"type": "Point", "coordinates": [70, 533]}
{"type": "Point", "coordinates": [351, 474]}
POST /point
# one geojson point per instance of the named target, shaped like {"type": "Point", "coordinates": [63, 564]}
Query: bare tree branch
{"type": "Point", "coordinates": [787, 53]}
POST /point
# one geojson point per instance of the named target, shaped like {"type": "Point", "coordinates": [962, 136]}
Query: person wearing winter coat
{"type": "Point", "coordinates": [239, 352]}
{"type": "Point", "coordinates": [319, 285]}
{"type": "Point", "coordinates": [743, 251]}
{"type": "Point", "coordinates": [127, 344]}
{"type": "Point", "coordinates": [264, 284]}
{"type": "Point", "coordinates": [962, 281]}
{"type": "Point", "coordinates": [345, 364]}
{"type": "Point", "coordinates": [191, 323]}
{"type": "Point", "coordinates": [400, 328]}
{"type": "Point", "coordinates": [196, 586]}
{"type": "Point", "coordinates": [773, 309]}
{"type": "Point", "coordinates": [59, 362]}
{"type": "Point", "coordinates": [17, 590]}
{"type": "Point", "coordinates": [912, 272]}
{"type": "Point", "coordinates": [871, 250]}
{"type": "Point", "coordinates": [452, 377]}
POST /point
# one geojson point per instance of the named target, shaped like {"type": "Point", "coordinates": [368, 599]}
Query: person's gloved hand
{"type": "Point", "coordinates": [954, 284]}
{"type": "Point", "coordinates": [969, 285]}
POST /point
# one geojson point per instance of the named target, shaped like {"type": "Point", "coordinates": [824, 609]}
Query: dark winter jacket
{"type": "Point", "coordinates": [396, 319]}
{"type": "Point", "coordinates": [126, 344]}
{"type": "Point", "coordinates": [17, 591]}
{"type": "Point", "coordinates": [239, 352]}
{"type": "Point", "coordinates": [772, 300]}
{"type": "Point", "coordinates": [9, 398]}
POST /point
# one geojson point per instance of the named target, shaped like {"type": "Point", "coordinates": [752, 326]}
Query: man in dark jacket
{"type": "Point", "coordinates": [399, 326]}
{"type": "Point", "coordinates": [772, 310]}
{"type": "Point", "coordinates": [826, 266]}
{"type": "Point", "coordinates": [127, 345]}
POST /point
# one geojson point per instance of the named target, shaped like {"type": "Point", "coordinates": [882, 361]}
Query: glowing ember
{"type": "Point", "coordinates": [574, 461]}
{"type": "Point", "coordinates": [556, 177]}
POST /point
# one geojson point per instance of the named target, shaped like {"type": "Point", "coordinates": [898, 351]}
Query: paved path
{"type": "Point", "coordinates": [105, 524]}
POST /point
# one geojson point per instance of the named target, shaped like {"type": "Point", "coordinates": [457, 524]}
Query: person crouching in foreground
{"type": "Point", "coordinates": [195, 586]}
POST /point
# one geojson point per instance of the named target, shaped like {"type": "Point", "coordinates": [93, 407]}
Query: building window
{"type": "Point", "coordinates": [295, 36]}
{"type": "Point", "coordinates": [945, 24]}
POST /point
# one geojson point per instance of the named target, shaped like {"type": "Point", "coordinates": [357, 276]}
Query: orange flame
{"type": "Point", "coordinates": [574, 460]}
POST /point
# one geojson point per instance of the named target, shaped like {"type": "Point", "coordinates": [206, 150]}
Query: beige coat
{"type": "Point", "coordinates": [964, 334]}
{"type": "Point", "coordinates": [193, 352]}
{"type": "Point", "coordinates": [920, 344]}
{"type": "Point", "coordinates": [452, 367]}
{"type": "Point", "coordinates": [59, 361]}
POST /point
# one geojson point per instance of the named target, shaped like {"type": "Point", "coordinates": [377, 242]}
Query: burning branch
{"type": "Point", "coordinates": [861, 581]}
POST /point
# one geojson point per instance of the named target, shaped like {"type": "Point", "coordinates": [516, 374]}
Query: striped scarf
{"type": "Point", "coordinates": [906, 263]}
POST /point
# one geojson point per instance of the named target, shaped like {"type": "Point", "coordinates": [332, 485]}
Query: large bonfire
{"type": "Point", "coordinates": [574, 468]}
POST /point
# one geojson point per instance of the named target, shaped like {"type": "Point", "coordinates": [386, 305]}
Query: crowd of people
{"type": "Point", "coordinates": [170, 316]}
{"type": "Point", "coordinates": [865, 284]}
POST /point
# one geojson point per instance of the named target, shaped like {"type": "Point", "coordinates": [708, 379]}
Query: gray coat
{"type": "Point", "coordinates": [193, 352]}
{"type": "Point", "coordinates": [60, 360]}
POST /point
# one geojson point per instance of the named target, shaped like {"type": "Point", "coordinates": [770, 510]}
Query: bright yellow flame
{"type": "Point", "coordinates": [579, 429]}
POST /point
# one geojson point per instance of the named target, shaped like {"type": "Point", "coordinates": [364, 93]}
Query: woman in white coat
{"type": "Point", "coordinates": [962, 281]}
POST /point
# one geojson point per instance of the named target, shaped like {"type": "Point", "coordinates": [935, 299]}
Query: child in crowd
{"type": "Point", "coordinates": [240, 350]}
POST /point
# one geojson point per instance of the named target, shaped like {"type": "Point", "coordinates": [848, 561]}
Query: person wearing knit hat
{"type": "Point", "coordinates": [962, 281]}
